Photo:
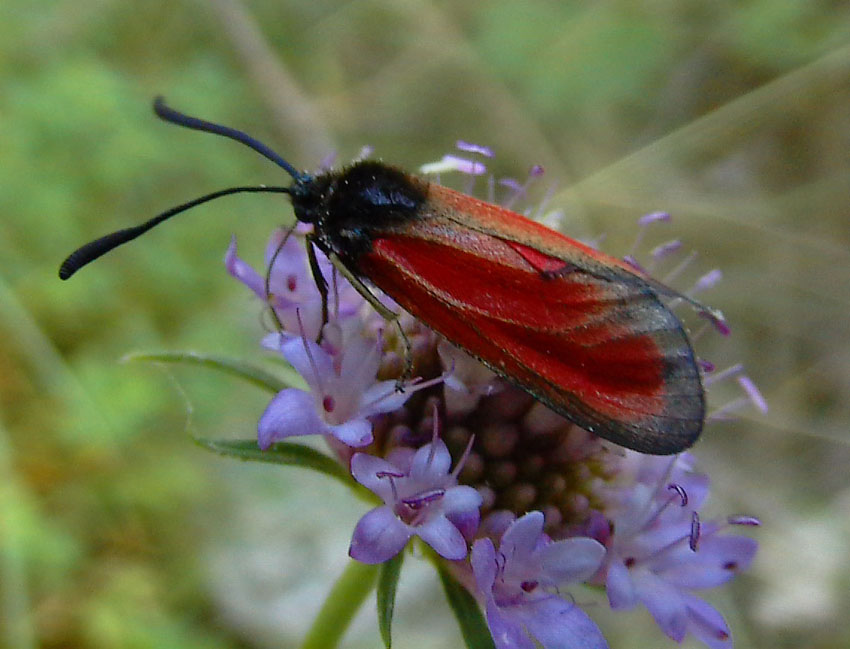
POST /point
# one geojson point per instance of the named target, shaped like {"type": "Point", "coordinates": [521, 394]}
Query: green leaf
{"type": "Point", "coordinates": [473, 627]}
{"type": "Point", "coordinates": [251, 373]}
{"type": "Point", "coordinates": [280, 453]}
{"type": "Point", "coordinates": [387, 583]}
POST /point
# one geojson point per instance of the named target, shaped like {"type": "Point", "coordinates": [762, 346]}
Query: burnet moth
{"type": "Point", "coordinates": [585, 333]}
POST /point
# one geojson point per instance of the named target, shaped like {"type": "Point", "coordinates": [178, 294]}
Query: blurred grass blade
{"type": "Point", "coordinates": [345, 599]}
{"type": "Point", "coordinates": [387, 584]}
{"type": "Point", "coordinates": [16, 620]}
{"type": "Point", "coordinates": [473, 627]}
{"type": "Point", "coordinates": [281, 453]}
{"type": "Point", "coordinates": [251, 373]}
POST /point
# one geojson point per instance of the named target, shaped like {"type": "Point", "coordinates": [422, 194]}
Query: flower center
{"type": "Point", "coordinates": [525, 459]}
{"type": "Point", "coordinates": [413, 509]}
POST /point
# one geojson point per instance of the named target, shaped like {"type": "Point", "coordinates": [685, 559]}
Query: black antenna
{"type": "Point", "coordinates": [176, 117]}
{"type": "Point", "coordinates": [99, 247]}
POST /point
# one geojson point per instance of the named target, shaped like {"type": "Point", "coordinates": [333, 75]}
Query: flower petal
{"type": "Point", "coordinates": [664, 602]}
{"type": "Point", "coordinates": [301, 316]}
{"type": "Point", "coordinates": [559, 624]}
{"type": "Point", "coordinates": [619, 586]}
{"type": "Point", "coordinates": [291, 258]}
{"type": "Point", "coordinates": [242, 271]}
{"type": "Point", "coordinates": [707, 624]}
{"type": "Point", "coordinates": [382, 397]}
{"type": "Point", "coordinates": [378, 536]}
{"type": "Point", "coordinates": [299, 353]}
{"type": "Point", "coordinates": [274, 341]}
{"type": "Point", "coordinates": [466, 522]}
{"type": "Point", "coordinates": [291, 412]}
{"type": "Point", "coordinates": [570, 560]}
{"type": "Point", "coordinates": [522, 536]}
{"type": "Point", "coordinates": [483, 561]}
{"type": "Point", "coordinates": [431, 462]}
{"type": "Point", "coordinates": [507, 633]}
{"type": "Point", "coordinates": [461, 499]}
{"type": "Point", "coordinates": [355, 432]}
{"type": "Point", "coordinates": [360, 363]}
{"type": "Point", "coordinates": [717, 560]}
{"type": "Point", "coordinates": [445, 538]}
{"type": "Point", "coordinates": [365, 469]}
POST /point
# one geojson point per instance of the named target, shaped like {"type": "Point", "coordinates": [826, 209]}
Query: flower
{"type": "Point", "coordinates": [422, 499]}
{"type": "Point", "coordinates": [516, 584]}
{"type": "Point", "coordinates": [658, 551]}
{"type": "Point", "coordinates": [344, 393]}
{"type": "Point", "coordinates": [289, 287]}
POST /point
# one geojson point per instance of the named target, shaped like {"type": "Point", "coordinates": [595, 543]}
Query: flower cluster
{"type": "Point", "coordinates": [515, 500]}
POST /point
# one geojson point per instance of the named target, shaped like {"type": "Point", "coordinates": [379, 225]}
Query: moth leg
{"type": "Point", "coordinates": [268, 278]}
{"type": "Point", "coordinates": [387, 314]}
{"type": "Point", "coordinates": [407, 372]}
{"type": "Point", "coordinates": [319, 279]}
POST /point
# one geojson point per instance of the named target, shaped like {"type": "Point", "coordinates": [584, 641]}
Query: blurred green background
{"type": "Point", "coordinates": [116, 531]}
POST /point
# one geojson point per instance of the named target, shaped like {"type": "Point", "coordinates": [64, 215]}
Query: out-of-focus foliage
{"type": "Point", "coordinates": [116, 531]}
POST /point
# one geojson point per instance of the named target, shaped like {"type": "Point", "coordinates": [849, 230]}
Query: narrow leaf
{"type": "Point", "coordinates": [246, 371]}
{"type": "Point", "coordinates": [280, 453]}
{"type": "Point", "coordinates": [473, 626]}
{"type": "Point", "coordinates": [387, 583]}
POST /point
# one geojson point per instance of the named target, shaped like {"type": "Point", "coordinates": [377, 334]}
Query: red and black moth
{"type": "Point", "coordinates": [583, 332]}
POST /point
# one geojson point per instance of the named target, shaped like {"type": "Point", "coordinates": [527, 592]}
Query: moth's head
{"type": "Point", "coordinates": [310, 196]}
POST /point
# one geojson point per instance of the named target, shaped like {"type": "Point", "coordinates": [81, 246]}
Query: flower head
{"type": "Point", "coordinates": [540, 501]}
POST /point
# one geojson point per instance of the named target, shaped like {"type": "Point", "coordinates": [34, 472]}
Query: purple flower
{"type": "Point", "coordinates": [292, 291]}
{"type": "Point", "coordinates": [422, 499]}
{"type": "Point", "coordinates": [658, 551]}
{"type": "Point", "coordinates": [517, 581]}
{"type": "Point", "coordinates": [343, 394]}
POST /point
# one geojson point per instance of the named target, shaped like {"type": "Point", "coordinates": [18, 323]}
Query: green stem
{"type": "Point", "coordinates": [339, 609]}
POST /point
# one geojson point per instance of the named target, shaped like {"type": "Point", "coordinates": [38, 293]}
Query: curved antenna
{"type": "Point", "coordinates": [99, 247]}
{"type": "Point", "coordinates": [175, 117]}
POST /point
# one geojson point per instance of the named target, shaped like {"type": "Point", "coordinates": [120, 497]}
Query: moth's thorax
{"type": "Point", "coordinates": [350, 206]}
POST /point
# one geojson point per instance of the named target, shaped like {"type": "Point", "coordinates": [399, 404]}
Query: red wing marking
{"type": "Point", "coordinates": [607, 355]}
{"type": "Point", "coordinates": [541, 261]}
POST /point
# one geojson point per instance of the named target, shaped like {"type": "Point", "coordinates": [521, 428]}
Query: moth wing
{"type": "Point", "coordinates": [602, 351]}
